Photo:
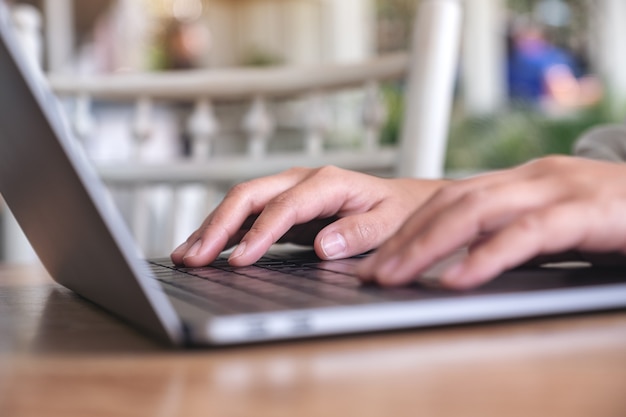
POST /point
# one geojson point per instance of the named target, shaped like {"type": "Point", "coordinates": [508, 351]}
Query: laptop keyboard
{"type": "Point", "coordinates": [276, 282]}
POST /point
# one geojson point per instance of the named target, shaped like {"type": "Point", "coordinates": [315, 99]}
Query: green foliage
{"type": "Point", "coordinates": [256, 56]}
{"type": "Point", "coordinates": [394, 101]}
{"type": "Point", "coordinates": [514, 136]}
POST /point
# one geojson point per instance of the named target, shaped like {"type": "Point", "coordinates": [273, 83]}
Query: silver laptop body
{"type": "Point", "coordinates": [80, 238]}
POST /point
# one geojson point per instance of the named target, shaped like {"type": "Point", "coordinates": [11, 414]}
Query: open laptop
{"type": "Point", "coordinates": [80, 238]}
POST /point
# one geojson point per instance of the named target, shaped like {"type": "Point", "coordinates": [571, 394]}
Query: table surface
{"type": "Point", "coordinates": [62, 356]}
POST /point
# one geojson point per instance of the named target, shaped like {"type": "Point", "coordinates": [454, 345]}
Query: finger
{"type": "Point", "coordinates": [457, 190]}
{"type": "Point", "coordinates": [356, 234]}
{"type": "Point", "coordinates": [481, 187]}
{"type": "Point", "coordinates": [423, 241]}
{"type": "Point", "coordinates": [444, 198]}
{"type": "Point", "coordinates": [223, 224]}
{"type": "Point", "coordinates": [549, 231]}
{"type": "Point", "coordinates": [319, 196]}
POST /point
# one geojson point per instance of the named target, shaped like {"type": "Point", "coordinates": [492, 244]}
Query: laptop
{"type": "Point", "coordinates": [81, 239]}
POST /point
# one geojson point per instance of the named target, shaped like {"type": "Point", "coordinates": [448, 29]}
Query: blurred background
{"type": "Point", "coordinates": [532, 75]}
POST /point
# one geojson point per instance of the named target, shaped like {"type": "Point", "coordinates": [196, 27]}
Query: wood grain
{"type": "Point", "coordinates": [62, 356]}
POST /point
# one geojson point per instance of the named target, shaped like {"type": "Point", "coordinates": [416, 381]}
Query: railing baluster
{"type": "Point", "coordinates": [188, 202]}
{"type": "Point", "coordinates": [203, 127]}
{"type": "Point", "coordinates": [317, 125]}
{"type": "Point", "coordinates": [142, 122]}
{"type": "Point", "coordinates": [259, 125]}
{"type": "Point", "coordinates": [83, 121]}
{"type": "Point", "coordinates": [374, 115]}
{"type": "Point", "coordinates": [141, 130]}
{"type": "Point", "coordinates": [173, 215]}
{"type": "Point", "coordinates": [140, 215]}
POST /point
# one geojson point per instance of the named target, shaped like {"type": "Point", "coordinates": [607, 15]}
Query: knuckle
{"type": "Point", "coordinates": [285, 204]}
{"type": "Point", "coordinates": [475, 198]}
{"type": "Point", "coordinates": [197, 234]}
{"type": "Point", "coordinates": [328, 171]}
{"type": "Point", "coordinates": [448, 193]}
{"type": "Point", "coordinates": [211, 228]}
{"type": "Point", "coordinates": [444, 193]}
{"type": "Point", "coordinates": [551, 163]}
{"type": "Point", "coordinates": [240, 190]}
{"type": "Point", "coordinates": [366, 232]}
{"type": "Point", "coordinates": [297, 171]}
{"type": "Point", "coordinates": [263, 232]}
{"type": "Point", "coordinates": [283, 200]}
{"type": "Point", "coordinates": [531, 223]}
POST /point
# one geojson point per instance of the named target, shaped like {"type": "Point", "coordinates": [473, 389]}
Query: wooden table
{"type": "Point", "coordinates": [62, 356]}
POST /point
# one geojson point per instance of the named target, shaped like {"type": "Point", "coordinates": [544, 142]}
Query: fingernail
{"type": "Point", "coordinates": [195, 248]}
{"type": "Point", "coordinates": [334, 245]}
{"type": "Point", "coordinates": [239, 250]}
{"type": "Point", "coordinates": [181, 248]}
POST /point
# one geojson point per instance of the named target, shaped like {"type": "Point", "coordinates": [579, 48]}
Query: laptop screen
{"type": "Point", "coordinates": [60, 203]}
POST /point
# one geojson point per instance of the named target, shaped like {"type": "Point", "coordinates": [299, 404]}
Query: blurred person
{"type": "Point", "coordinates": [539, 72]}
{"type": "Point", "coordinates": [552, 208]}
{"type": "Point", "coordinates": [183, 45]}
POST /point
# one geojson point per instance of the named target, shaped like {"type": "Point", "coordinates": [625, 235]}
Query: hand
{"type": "Point", "coordinates": [548, 206]}
{"type": "Point", "coordinates": [341, 213]}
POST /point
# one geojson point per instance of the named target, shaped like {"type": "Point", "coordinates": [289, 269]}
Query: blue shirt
{"type": "Point", "coordinates": [528, 65]}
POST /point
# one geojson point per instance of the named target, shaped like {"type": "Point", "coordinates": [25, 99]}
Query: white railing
{"type": "Point", "coordinates": [204, 92]}
{"type": "Point", "coordinates": [233, 83]}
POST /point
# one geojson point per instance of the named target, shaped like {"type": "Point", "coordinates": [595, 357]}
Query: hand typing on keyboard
{"type": "Point", "coordinates": [554, 205]}
{"type": "Point", "coordinates": [341, 213]}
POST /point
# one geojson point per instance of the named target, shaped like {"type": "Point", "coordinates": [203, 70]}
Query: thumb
{"type": "Point", "coordinates": [352, 235]}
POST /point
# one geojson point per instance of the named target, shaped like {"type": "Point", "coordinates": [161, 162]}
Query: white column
{"type": "Point", "coordinates": [131, 34]}
{"type": "Point", "coordinates": [302, 27]}
{"type": "Point", "coordinates": [434, 57]}
{"type": "Point", "coordinates": [27, 20]}
{"type": "Point", "coordinates": [260, 30]}
{"type": "Point", "coordinates": [483, 57]}
{"type": "Point", "coordinates": [59, 27]}
{"type": "Point", "coordinates": [222, 22]}
{"type": "Point", "coordinates": [349, 28]}
{"type": "Point", "coordinates": [611, 58]}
